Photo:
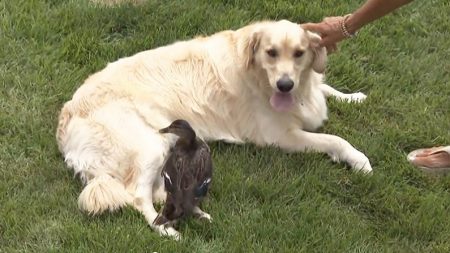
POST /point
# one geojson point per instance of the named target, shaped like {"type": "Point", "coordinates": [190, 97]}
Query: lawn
{"type": "Point", "coordinates": [263, 200]}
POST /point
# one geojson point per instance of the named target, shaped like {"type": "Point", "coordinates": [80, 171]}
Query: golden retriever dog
{"type": "Point", "coordinates": [262, 83]}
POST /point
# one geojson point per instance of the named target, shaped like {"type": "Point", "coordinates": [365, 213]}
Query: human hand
{"type": "Point", "coordinates": [330, 30]}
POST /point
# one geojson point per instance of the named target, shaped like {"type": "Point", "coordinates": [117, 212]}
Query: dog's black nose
{"type": "Point", "coordinates": [285, 84]}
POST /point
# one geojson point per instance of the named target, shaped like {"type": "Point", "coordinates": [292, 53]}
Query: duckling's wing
{"type": "Point", "coordinates": [203, 163]}
{"type": "Point", "coordinates": [169, 172]}
{"type": "Point", "coordinates": [176, 167]}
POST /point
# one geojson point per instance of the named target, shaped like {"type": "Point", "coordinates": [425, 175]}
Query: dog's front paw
{"type": "Point", "coordinates": [167, 231]}
{"type": "Point", "coordinates": [363, 166]}
{"type": "Point", "coordinates": [359, 162]}
{"type": "Point", "coordinates": [358, 97]}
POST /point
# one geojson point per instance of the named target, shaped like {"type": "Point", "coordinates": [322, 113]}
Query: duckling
{"type": "Point", "coordinates": [187, 175]}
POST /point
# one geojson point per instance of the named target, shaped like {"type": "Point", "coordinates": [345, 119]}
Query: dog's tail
{"type": "Point", "coordinates": [103, 193]}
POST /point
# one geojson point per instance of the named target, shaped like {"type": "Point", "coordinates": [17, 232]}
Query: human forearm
{"type": "Point", "coordinates": [335, 29]}
{"type": "Point", "coordinates": [372, 10]}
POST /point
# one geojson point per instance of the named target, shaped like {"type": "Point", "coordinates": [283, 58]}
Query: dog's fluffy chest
{"type": "Point", "coordinates": [313, 111]}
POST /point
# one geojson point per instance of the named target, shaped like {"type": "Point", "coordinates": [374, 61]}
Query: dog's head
{"type": "Point", "coordinates": [285, 52]}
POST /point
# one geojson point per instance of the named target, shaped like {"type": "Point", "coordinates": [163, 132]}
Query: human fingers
{"type": "Point", "coordinates": [331, 39]}
{"type": "Point", "coordinates": [313, 27]}
{"type": "Point", "coordinates": [332, 19]}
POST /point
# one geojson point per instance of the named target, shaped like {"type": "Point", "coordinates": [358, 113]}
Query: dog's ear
{"type": "Point", "coordinates": [252, 46]}
{"type": "Point", "coordinates": [320, 53]}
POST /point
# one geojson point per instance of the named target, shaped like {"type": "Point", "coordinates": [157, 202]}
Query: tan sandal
{"type": "Point", "coordinates": [435, 159]}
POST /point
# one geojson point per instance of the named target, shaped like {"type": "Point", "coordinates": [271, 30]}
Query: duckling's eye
{"type": "Point", "coordinates": [272, 52]}
{"type": "Point", "coordinates": [202, 189]}
{"type": "Point", "coordinates": [298, 53]}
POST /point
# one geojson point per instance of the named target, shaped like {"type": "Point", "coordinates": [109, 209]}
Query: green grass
{"type": "Point", "coordinates": [262, 200]}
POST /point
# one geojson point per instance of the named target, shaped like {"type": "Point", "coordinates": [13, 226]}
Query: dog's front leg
{"type": "Point", "coordinates": [336, 147]}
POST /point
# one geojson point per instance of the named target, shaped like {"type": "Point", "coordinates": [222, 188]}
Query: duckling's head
{"type": "Point", "coordinates": [180, 128]}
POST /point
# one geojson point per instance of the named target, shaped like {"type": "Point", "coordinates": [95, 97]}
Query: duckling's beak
{"type": "Point", "coordinates": [164, 130]}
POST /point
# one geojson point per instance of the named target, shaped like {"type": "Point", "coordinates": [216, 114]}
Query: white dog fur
{"type": "Point", "coordinates": [220, 84]}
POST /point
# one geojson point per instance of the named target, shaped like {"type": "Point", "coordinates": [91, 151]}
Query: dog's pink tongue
{"type": "Point", "coordinates": [281, 101]}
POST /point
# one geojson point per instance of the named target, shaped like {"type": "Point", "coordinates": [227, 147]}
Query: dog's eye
{"type": "Point", "coordinates": [298, 53]}
{"type": "Point", "coordinates": [272, 53]}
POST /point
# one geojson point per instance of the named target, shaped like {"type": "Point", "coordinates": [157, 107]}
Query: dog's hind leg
{"type": "Point", "coordinates": [150, 163]}
{"type": "Point", "coordinates": [84, 148]}
{"type": "Point", "coordinates": [159, 193]}
{"type": "Point", "coordinates": [103, 193]}
{"type": "Point", "coordinates": [329, 91]}
{"type": "Point", "coordinates": [199, 213]}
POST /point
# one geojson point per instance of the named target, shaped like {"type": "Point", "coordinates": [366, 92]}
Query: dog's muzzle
{"type": "Point", "coordinates": [285, 84]}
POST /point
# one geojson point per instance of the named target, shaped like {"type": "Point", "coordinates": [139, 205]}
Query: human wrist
{"type": "Point", "coordinates": [343, 27]}
{"type": "Point", "coordinates": [351, 23]}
